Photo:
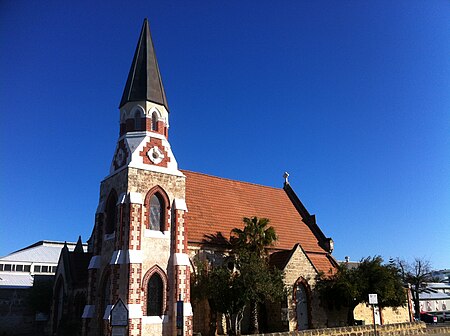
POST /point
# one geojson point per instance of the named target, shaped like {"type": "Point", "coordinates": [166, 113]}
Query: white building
{"type": "Point", "coordinates": [435, 298]}
{"type": "Point", "coordinates": [18, 268]}
{"type": "Point", "coordinates": [17, 273]}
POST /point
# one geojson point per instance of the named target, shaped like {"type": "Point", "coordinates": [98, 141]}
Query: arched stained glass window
{"type": "Point", "coordinates": [155, 296]}
{"type": "Point", "coordinates": [156, 213]}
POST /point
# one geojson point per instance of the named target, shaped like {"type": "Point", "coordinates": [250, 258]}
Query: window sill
{"type": "Point", "coordinates": [155, 319]}
{"type": "Point", "coordinates": [156, 234]}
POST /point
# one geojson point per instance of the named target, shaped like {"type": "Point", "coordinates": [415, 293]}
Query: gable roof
{"type": "Point", "coordinates": [75, 264]}
{"type": "Point", "coordinates": [217, 205]}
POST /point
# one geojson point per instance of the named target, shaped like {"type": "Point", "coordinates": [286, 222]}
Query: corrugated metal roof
{"type": "Point", "coordinates": [16, 280]}
{"type": "Point", "coordinates": [439, 285]}
{"type": "Point", "coordinates": [434, 296]}
{"type": "Point", "coordinates": [41, 252]}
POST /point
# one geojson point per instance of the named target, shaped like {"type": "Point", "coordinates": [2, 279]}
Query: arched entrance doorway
{"type": "Point", "coordinates": [302, 304]}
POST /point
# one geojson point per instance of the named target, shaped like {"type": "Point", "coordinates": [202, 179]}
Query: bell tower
{"type": "Point", "coordinates": [139, 240]}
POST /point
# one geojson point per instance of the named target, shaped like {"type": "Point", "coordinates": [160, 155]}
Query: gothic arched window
{"type": "Point", "coordinates": [155, 292]}
{"type": "Point", "coordinates": [59, 304]}
{"type": "Point", "coordinates": [154, 121]}
{"type": "Point", "coordinates": [156, 213]}
{"type": "Point", "coordinates": [111, 213]}
{"type": "Point", "coordinates": [137, 121]}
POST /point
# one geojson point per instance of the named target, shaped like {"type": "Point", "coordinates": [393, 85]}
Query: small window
{"type": "Point", "coordinates": [156, 213]}
{"type": "Point", "coordinates": [154, 121]}
{"type": "Point", "coordinates": [53, 269]}
{"type": "Point", "coordinates": [137, 121]}
{"type": "Point", "coordinates": [44, 269]}
{"type": "Point", "coordinates": [19, 268]}
{"type": "Point", "coordinates": [26, 268]}
{"type": "Point", "coordinates": [37, 269]}
{"type": "Point", "coordinates": [155, 296]}
{"type": "Point", "coordinates": [1, 267]}
{"type": "Point", "coordinates": [8, 267]}
{"type": "Point", "coordinates": [111, 213]}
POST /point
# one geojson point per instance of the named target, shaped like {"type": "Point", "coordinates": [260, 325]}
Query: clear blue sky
{"type": "Point", "coordinates": [352, 98]}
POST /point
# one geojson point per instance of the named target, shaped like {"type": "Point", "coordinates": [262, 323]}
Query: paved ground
{"type": "Point", "coordinates": [434, 329]}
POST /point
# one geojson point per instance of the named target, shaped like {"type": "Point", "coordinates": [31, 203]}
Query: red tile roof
{"type": "Point", "coordinates": [218, 205]}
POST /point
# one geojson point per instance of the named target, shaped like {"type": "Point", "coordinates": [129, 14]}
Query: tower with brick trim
{"type": "Point", "coordinates": [139, 241]}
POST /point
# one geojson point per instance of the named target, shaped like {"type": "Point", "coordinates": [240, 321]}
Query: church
{"type": "Point", "coordinates": [152, 220]}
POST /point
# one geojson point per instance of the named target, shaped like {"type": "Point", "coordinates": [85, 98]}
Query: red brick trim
{"type": "Point", "coordinates": [145, 280]}
{"type": "Point", "coordinates": [154, 142]}
{"type": "Point", "coordinates": [166, 206]}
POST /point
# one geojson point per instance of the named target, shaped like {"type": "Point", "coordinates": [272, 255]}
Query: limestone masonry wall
{"type": "Point", "coordinates": [388, 315]}
{"type": "Point", "coordinates": [399, 329]}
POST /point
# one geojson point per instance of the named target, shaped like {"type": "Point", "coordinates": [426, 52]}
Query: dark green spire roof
{"type": "Point", "coordinates": [144, 80]}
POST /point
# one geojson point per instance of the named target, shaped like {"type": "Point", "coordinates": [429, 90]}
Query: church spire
{"type": "Point", "coordinates": [144, 79]}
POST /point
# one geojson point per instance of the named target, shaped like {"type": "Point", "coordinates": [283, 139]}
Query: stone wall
{"type": "Point", "coordinates": [388, 315]}
{"type": "Point", "coordinates": [399, 329]}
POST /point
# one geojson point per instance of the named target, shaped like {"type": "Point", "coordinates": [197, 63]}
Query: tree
{"type": "Point", "coordinates": [255, 237]}
{"type": "Point", "coordinates": [252, 242]}
{"type": "Point", "coordinates": [417, 274]}
{"type": "Point", "coordinates": [244, 278]}
{"type": "Point", "coordinates": [349, 287]}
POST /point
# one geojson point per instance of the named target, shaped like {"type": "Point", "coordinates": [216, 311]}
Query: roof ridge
{"type": "Point", "coordinates": [230, 179]}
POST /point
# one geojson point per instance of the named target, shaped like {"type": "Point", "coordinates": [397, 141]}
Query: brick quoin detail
{"type": "Point", "coordinates": [123, 217]}
{"type": "Point", "coordinates": [115, 283]}
{"type": "Point", "coordinates": [98, 241]}
{"type": "Point", "coordinates": [182, 272]}
{"type": "Point", "coordinates": [135, 233]}
{"type": "Point", "coordinates": [181, 241]}
{"type": "Point", "coordinates": [154, 142]}
{"type": "Point", "coordinates": [135, 327]}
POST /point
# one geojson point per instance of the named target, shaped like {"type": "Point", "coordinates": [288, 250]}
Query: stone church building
{"type": "Point", "coordinates": [152, 219]}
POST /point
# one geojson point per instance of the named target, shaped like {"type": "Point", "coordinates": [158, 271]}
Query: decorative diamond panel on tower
{"type": "Point", "coordinates": [154, 153]}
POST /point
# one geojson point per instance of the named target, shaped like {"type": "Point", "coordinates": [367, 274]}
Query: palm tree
{"type": "Point", "coordinates": [256, 236]}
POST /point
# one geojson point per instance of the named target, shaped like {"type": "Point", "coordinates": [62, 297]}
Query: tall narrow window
{"type": "Point", "coordinates": [137, 121]}
{"type": "Point", "coordinates": [111, 213]}
{"type": "Point", "coordinates": [58, 304]}
{"type": "Point", "coordinates": [154, 121]}
{"type": "Point", "coordinates": [156, 213]}
{"type": "Point", "coordinates": [155, 296]}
